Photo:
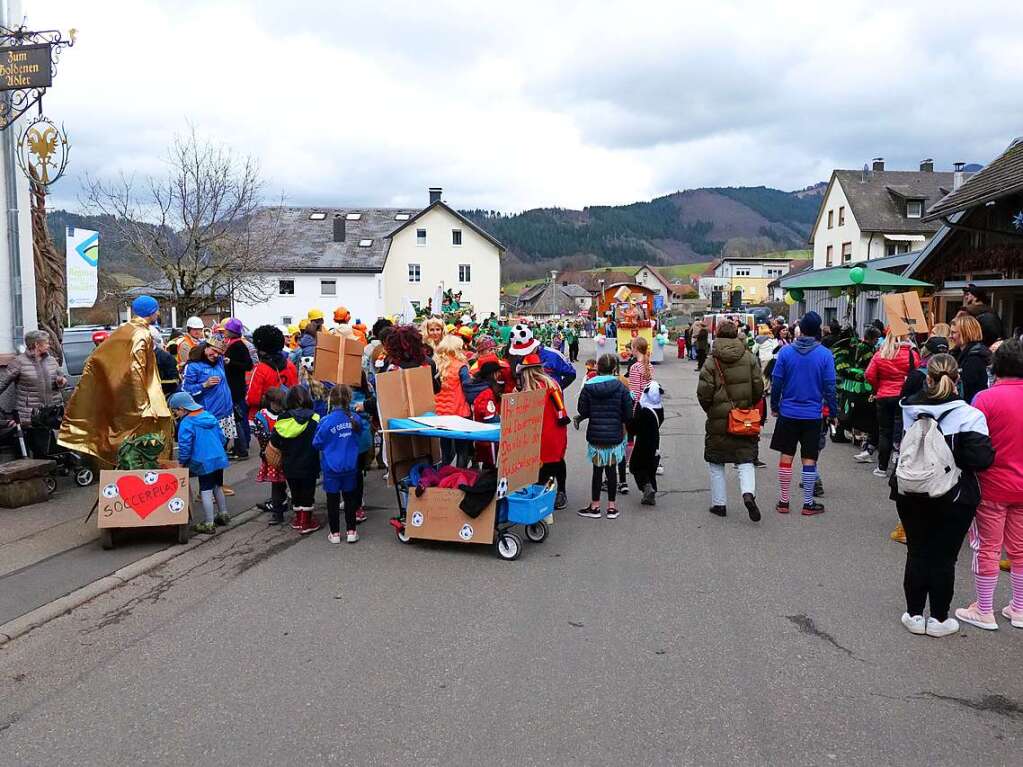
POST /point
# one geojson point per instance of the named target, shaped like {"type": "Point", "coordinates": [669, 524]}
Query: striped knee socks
{"type": "Point", "coordinates": [784, 481]}
{"type": "Point", "coordinates": [809, 480]}
{"type": "Point", "coordinates": [986, 592]}
{"type": "Point", "coordinates": [1017, 588]}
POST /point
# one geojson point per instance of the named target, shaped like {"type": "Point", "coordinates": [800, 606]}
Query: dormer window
{"type": "Point", "coordinates": [914, 208]}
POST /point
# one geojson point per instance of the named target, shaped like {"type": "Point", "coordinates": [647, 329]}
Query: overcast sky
{"type": "Point", "coordinates": [513, 105]}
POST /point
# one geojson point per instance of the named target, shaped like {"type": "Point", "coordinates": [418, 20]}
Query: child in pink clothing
{"type": "Point", "coordinates": [999, 519]}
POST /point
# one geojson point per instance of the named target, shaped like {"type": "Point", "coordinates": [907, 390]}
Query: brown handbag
{"type": "Point", "coordinates": [742, 422]}
{"type": "Point", "coordinates": [273, 456]}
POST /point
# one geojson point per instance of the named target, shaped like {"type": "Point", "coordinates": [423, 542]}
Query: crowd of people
{"type": "Point", "coordinates": [935, 413]}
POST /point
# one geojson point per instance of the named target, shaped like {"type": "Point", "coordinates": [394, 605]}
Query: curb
{"type": "Point", "coordinates": [65, 604]}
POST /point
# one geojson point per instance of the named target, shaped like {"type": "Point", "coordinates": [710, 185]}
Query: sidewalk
{"type": "Point", "coordinates": [48, 550]}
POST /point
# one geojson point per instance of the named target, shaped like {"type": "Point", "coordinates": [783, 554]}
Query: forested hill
{"type": "Point", "coordinates": [684, 227]}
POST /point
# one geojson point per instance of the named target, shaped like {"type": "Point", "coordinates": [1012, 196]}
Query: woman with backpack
{"type": "Point", "coordinates": [999, 518]}
{"type": "Point", "coordinates": [886, 374]}
{"type": "Point", "coordinates": [936, 491]}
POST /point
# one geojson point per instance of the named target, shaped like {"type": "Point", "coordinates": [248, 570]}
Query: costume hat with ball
{"type": "Point", "coordinates": [522, 341]}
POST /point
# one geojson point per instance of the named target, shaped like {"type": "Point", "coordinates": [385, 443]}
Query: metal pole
{"type": "Point", "coordinates": [13, 233]}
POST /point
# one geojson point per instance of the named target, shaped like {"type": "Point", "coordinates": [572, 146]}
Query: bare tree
{"type": "Point", "coordinates": [202, 225]}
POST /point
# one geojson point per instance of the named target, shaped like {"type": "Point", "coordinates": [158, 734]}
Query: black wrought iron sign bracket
{"type": "Point", "coordinates": [28, 62]}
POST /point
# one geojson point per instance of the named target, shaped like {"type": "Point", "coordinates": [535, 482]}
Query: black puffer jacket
{"type": "Point", "coordinates": [608, 405]}
{"type": "Point", "coordinates": [293, 436]}
{"type": "Point", "coordinates": [973, 361]}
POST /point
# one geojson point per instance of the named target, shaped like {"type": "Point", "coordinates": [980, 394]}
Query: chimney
{"type": "Point", "coordinates": [339, 227]}
{"type": "Point", "coordinates": [435, 192]}
{"type": "Point", "coordinates": [927, 166]}
{"type": "Point", "coordinates": [958, 176]}
{"type": "Point", "coordinates": [878, 164]}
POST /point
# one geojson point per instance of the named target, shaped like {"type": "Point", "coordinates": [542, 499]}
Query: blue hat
{"type": "Point", "coordinates": [144, 306]}
{"type": "Point", "coordinates": [184, 400]}
{"type": "Point", "coordinates": [810, 325]}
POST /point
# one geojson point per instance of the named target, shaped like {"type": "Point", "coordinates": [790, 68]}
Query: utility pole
{"type": "Point", "coordinates": [7, 11]}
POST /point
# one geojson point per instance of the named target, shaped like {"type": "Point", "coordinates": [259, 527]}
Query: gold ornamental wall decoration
{"type": "Point", "coordinates": [43, 151]}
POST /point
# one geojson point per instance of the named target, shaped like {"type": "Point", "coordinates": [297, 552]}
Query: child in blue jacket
{"type": "Point", "coordinates": [201, 451]}
{"type": "Point", "coordinates": [337, 439]}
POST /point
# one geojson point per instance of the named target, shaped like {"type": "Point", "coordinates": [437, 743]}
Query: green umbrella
{"type": "Point", "coordinates": [843, 277]}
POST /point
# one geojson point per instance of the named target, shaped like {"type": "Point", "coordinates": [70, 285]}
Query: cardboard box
{"type": "Point", "coordinates": [338, 360]}
{"type": "Point", "coordinates": [402, 394]}
{"type": "Point", "coordinates": [143, 498]}
{"type": "Point", "coordinates": [435, 516]}
{"type": "Point", "coordinates": [622, 294]}
{"type": "Point", "coordinates": [905, 314]}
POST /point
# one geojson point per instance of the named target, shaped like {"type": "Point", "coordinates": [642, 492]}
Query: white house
{"type": "Point", "coordinates": [751, 275]}
{"type": "Point", "coordinates": [868, 214]}
{"type": "Point", "coordinates": [649, 277]}
{"type": "Point", "coordinates": [372, 260]}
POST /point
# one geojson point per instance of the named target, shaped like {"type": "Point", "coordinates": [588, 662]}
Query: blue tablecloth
{"type": "Point", "coordinates": [490, 435]}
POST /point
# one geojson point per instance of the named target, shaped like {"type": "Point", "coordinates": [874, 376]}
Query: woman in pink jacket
{"type": "Point", "coordinates": [999, 519]}
{"type": "Point", "coordinates": [886, 374]}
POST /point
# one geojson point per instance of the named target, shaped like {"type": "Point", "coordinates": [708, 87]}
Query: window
{"type": "Point", "coordinates": [831, 256]}
{"type": "Point", "coordinates": [402, 216]}
{"type": "Point", "coordinates": [456, 236]}
{"type": "Point", "coordinates": [831, 219]}
{"type": "Point", "coordinates": [775, 272]}
{"type": "Point", "coordinates": [353, 217]}
{"type": "Point", "coordinates": [286, 320]}
{"type": "Point", "coordinates": [365, 243]}
{"type": "Point", "coordinates": [328, 287]}
{"type": "Point", "coordinates": [465, 273]}
{"type": "Point", "coordinates": [830, 314]}
{"type": "Point", "coordinates": [413, 273]}
{"type": "Point", "coordinates": [914, 208]}
{"type": "Point", "coordinates": [316, 217]}
{"type": "Point", "coordinates": [741, 271]}
{"type": "Point", "coordinates": [841, 215]}
{"type": "Point", "coordinates": [285, 288]}
{"type": "Point", "coordinates": [871, 314]}
{"type": "Point", "coordinates": [420, 236]}
{"type": "Point", "coordinates": [846, 252]}
{"type": "Point", "coordinates": [895, 248]}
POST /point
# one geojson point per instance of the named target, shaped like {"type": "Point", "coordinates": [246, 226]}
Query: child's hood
{"type": "Point", "coordinates": [202, 420]}
{"type": "Point", "coordinates": [295, 422]}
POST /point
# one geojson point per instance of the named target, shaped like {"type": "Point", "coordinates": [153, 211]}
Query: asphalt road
{"type": "Point", "coordinates": [667, 636]}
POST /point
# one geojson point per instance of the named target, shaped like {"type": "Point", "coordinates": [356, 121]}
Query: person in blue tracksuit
{"type": "Point", "coordinates": [338, 440]}
{"type": "Point", "coordinates": [802, 384]}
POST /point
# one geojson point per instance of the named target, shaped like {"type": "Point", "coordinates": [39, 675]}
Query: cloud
{"type": "Point", "coordinates": [514, 105]}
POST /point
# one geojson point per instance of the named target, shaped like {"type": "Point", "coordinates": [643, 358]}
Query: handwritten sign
{"type": "Point", "coordinates": [143, 498]}
{"type": "Point", "coordinates": [521, 427]}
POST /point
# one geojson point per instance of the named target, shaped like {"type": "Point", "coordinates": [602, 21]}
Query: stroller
{"type": "Point", "coordinates": [69, 463]}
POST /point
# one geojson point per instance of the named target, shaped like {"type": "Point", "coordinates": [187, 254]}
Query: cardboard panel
{"type": "Point", "coordinates": [905, 314]}
{"type": "Point", "coordinates": [521, 424]}
{"type": "Point", "coordinates": [400, 394]}
{"type": "Point", "coordinates": [338, 360]}
{"type": "Point", "coordinates": [435, 516]}
{"type": "Point", "coordinates": [143, 498]}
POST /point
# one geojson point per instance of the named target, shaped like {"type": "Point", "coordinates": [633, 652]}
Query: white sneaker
{"type": "Point", "coordinates": [915, 624]}
{"type": "Point", "coordinates": [936, 628]}
{"type": "Point", "coordinates": [864, 457]}
{"type": "Point", "coordinates": [879, 472]}
{"type": "Point", "coordinates": [334, 537]}
{"type": "Point", "coordinates": [352, 537]}
{"type": "Point", "coordinates": [660, 470]}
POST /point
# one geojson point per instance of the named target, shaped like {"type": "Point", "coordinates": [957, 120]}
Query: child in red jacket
{"type": "Point", "coordinates": [554, 433]}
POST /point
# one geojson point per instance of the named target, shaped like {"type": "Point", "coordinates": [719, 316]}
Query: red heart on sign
{"type": "Point", "coordinates": [144, 499]}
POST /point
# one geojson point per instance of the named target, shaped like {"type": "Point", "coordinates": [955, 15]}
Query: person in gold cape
{"type": "Point", "coordinates": [119, 394]}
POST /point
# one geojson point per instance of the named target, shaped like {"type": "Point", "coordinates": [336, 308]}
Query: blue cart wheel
{"type": "Point", "coordinates": [537, 533]}
{"type": "Point", "coordinates": [508, 546]}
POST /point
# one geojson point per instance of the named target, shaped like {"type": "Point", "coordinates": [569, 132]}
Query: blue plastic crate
{"type": "Point", "coordinates": [528, 505]}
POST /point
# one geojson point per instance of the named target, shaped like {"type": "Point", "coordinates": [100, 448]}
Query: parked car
{"type": "Point", "coordinates": [78, 346]}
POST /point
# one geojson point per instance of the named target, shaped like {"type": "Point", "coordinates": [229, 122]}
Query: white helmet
{"type": "Point", "coordinates": [194, 323]}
